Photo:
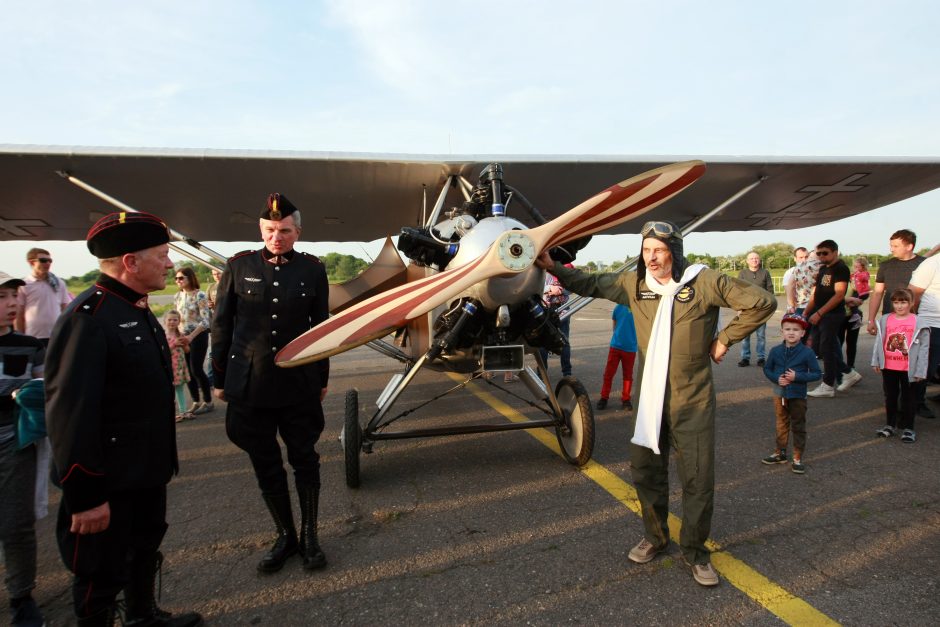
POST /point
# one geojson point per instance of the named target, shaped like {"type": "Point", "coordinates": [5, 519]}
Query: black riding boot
{"type": "Point", "coordinates": [140, 603]}
{"type": "Point", "coordinates": [309, 547]}
{"type": "Point", "coordinates": [286, 543]}
{"type": "Point", "coordinates": [102, 618]}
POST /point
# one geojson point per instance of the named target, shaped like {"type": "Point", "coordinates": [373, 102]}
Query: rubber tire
{"type": "Point", "coordinates": [578, 446]}
{"type": "Point", "coordinates": [352, 438]}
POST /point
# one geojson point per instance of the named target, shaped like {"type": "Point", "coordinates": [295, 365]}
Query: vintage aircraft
{"type": "Point", "coordinates": [469, 300]}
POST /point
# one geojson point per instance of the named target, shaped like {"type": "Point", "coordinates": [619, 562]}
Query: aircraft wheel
{"type": "Point", "coordinates": [352, 438]}
{"type": "Point", "coordinates": [576, 435]}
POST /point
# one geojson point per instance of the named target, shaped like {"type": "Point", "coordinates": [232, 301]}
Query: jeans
{"type": "Point", "coordinates": [830, 348]}
{"type": "Point", "coordinates": [17, 517]}
{"type": "Point", "coordinates": [761, 332]}
{"type": "Point", "coordinates": [198, 380]}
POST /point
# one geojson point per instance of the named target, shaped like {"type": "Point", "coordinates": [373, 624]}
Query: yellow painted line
{"type": "Point", "coordinates": [789, 608]}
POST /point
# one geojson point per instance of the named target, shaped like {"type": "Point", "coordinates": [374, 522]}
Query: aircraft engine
{"type": "Point", "coordinates": [509, 290]}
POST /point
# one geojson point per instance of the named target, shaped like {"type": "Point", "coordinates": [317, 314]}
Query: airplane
{"type": "Point", "coordinates": [469, 300]}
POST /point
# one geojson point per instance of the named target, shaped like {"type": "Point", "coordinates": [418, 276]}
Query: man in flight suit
{"type": "Point", "coordinates": [265, 299]}
{"type": "Point", "coordinates": [110, 416]}
{"type": "Point", "coordinates": [677, 396]}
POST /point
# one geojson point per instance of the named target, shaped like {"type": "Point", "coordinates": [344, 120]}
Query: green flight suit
{"type": "Point", "coordinates": [689, 407]}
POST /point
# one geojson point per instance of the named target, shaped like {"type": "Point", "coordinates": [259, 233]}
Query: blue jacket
{"type": "Point", "coordinates": [803, 362]}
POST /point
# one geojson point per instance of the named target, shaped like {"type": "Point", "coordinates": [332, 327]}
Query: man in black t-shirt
{"type": "Point", "coordinates": [827, 311]}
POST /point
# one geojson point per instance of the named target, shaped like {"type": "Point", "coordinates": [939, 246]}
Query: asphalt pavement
{"type": "Point", "coordinates": [498, 529]}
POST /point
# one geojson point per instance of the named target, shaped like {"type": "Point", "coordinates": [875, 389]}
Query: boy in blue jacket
{"type": "Point", "coordinates": [790, 366]}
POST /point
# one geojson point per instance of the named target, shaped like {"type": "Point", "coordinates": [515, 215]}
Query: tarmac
{"type": "Point", "coordinates": [497, 529]}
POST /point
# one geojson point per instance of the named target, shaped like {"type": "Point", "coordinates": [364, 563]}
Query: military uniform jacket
{"type": "Point", "coordinates": [260, 307]}
{"type": "Point", "coordinates": [109, 397]}
{"type": "Point", "coordinates": [695, 319]}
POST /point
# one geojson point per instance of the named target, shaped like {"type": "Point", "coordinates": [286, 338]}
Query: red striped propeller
{"type": "Point", "coordinates": [512, 252]}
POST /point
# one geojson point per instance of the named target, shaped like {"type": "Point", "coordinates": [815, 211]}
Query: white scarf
{"type": "Point", "coordinates": [656, 367]}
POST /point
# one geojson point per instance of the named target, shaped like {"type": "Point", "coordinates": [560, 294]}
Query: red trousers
{"type": "Point", "coordinates": [617, 357]}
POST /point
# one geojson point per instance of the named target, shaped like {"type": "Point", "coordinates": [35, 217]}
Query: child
{"type": "Point", "coordinates": [900, 355]}
{"type": "Point", "coordinates": [622, 352]}
{"type": "Point", "coordinates": [178, 349]}
{"type": "Point", "coordinates": [22, 359]}
{"type": "Point", "coordinates": [862, 287]}
{"type": "Point", "coordinates": [790, 366]}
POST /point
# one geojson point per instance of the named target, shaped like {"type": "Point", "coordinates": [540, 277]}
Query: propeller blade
{"type": "Point", "coordinates": [512, 252]}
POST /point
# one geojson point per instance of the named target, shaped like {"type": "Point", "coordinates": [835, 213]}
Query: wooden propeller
{"type": "Point", "coordinates": [512, 252]}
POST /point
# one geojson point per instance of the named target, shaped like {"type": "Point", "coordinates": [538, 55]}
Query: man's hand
{"type": "Point", "coordinates": [322, 394]}
{"type": "Point", "coordinates": [219, 394]}
{"type": "Point", "coordinates": [93, 520]}
{"type": "Point", "coordinates": [544, 261]}
{"type": "Point", "coordinates": [872, 329]}
{"type": "Point", "coordinates": [717, 351]}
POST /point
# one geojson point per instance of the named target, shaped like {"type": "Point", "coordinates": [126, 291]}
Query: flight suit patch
{"type": "Point", "coordinates": [648, 295]}
{"type": "Point", "coordinates": [685, 294]}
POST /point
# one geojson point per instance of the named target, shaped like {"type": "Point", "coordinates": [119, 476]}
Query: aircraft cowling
{"type": "Point", "coordinates": [502, 290]}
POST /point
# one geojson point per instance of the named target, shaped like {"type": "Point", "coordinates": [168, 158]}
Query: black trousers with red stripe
{"type": "Point", "coordinates": [102, 562]}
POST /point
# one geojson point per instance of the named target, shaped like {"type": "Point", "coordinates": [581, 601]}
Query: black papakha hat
{"type": "Point", "coordinates": [278, 207]}
{"type": "Point", "coordinates": [117, 234]}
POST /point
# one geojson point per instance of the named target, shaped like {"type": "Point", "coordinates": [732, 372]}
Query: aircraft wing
{"type": "Point", "coordinates": [217, 194]}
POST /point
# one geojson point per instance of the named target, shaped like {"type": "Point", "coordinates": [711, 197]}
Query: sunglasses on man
{"type": "Point", "coordinates": [43, 259]}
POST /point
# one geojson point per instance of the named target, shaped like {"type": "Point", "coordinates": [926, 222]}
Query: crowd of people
{"type": "Point", "coordinates": [104, 350]}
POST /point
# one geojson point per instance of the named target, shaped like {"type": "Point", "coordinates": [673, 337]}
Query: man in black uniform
{"type": "Point", "coordinates": [110, 417]}
{"type": "Point", "coordinates": [265, 299]}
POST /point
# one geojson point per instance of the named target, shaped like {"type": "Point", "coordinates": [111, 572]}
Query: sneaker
{"type": "Point", "coordinates": [644, 551]}
{"type": "Point", "coordinates": [204, 408]}
{"type": "Point", "coordinates": [601, 403]}
{"type": "Point", "coordinates": [24, 611]}
{"type": "Point", "coordinates": [703, 574]}
{"type": "Point", "coordinates": [798, 467]}
{"type": "Point", "coordinates": [194, 407]}
{"type": "Point", "coordinates": [848, 380]}
{"type": "Point", "coordinates": [744, 362]}
{"type": "Point", "coordinates": [923, 411]}
{"type": "Point", "coordinates": [886, 431]}
{"type": "Point", "coordinates": [909, 436]}
{"type": "Point", "coordinates": [627, 404]}
{"type": "Point", "coordinates": [823, 391]}
{"type": "Point", "coordinates": [777, 458]}
{"type": "Point", "coordinates": [760, 362]}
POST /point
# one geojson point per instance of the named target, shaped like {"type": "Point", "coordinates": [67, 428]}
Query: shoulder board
{"type": "Point", "coordinates": [241, 254]}
{"type": "Point", "coordinates": [90, 304]}
{"type": "Point", "coordinates": [312, 257]}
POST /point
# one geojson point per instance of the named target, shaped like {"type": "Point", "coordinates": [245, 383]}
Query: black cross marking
{"type": "Point", "coordinates": [16, 227]}
{"type": "Point", "coordinates": [815, 192]}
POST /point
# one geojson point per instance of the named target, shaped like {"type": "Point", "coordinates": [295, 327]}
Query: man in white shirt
{"type": "Point", "coordinates": [42, 299]}
{"type": "Point", "coordinates": [925, 284]}
{"type": "Point", "coordinates": [789, 285]}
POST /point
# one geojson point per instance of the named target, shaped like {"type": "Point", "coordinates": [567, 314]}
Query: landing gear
{"type": "Point", "coordinates": [576, 431]}
{"type": "Point", "coordinates": [352, 438]}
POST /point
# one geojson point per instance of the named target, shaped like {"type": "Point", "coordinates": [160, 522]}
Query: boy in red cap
{"type": "Point", "coordinates": [790, 366]}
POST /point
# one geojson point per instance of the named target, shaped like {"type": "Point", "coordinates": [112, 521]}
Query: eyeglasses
{"type": "Point", "coordinates": [660, 229]}
{"type": "Point", "coordinates": [822, 253]}
{"type": "Point", "coordinates": [43, 259]}
{"type": "Point", "coordinates": [179, 278]}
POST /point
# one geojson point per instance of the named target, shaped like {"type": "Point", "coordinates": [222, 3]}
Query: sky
{"type": "Point", "coordinates": [526, 77]}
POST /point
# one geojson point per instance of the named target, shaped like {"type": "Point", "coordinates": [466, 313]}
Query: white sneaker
{"type": "Point", "coordinates": [848, 380]}
{"type": "Point", "coordinates": [824, 391]}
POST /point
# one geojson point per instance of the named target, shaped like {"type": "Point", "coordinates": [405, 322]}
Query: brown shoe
{"type": "Point", "coordinates": [704, 575]}
{"type": "Point", "coordinates": [644, 551]}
